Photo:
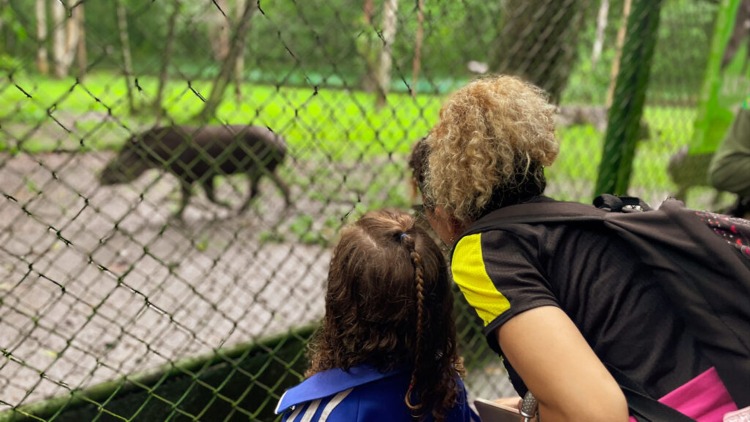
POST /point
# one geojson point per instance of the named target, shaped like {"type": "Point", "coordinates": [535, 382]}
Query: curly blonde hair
{"type": "Point", "coordinates": [492, 141]}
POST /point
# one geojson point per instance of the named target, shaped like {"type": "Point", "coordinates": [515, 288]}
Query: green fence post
{"type": "Point", "coordinates": [713, 118]}
{"type": "Point", "coordinates": [624, 115]}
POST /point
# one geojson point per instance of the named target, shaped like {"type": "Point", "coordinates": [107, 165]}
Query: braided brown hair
{"type": "Point", "coordinates": [389, 304]}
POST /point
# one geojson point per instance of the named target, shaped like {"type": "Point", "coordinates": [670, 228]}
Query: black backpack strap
{"type": "Point", "coordinates": [641, 405]}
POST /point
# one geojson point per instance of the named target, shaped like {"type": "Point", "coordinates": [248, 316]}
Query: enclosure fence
{"type": "Point", "coordinates": [135, 285]}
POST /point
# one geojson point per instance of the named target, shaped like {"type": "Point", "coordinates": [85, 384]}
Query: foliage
{"type": "Point", "coordinates": [10, 64]}
{"type": "Point", "coordinates": [320, 43]}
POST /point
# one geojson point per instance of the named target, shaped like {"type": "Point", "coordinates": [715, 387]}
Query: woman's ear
{"type": "Point", "coordinates": [456, 228]}
{"type": "Point", "coordinates": [445, 225]}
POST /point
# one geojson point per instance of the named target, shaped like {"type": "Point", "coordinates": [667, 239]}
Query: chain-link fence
{"type": "Point", "coordinates": [133, 284]}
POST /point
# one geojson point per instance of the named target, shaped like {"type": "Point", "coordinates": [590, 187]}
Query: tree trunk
{"type": "Point", "coordinates": [618, 52]}
{"type": "Point", "coordinates": [229, 66]}
{"type": "Point", "coordinates": [239, 69]}
{"type": "Point", "coordinates": [740, 33]}
{"type": "Point", "coordinates": [417, 62]}
{"type": "Point", "coordinates": [538, 41]}
{"type": "Point", "coordinates": [127, 63]}
{"type": "Point", "coordinates": [58, 38]}
{"type": "Point", "coordinates": [3, 5]}
{"type": "Point", "coordinates": [368, 8]}
{"type": "Point", "coordinates": [366, 41]}
{"type": "Point", "coordinates": [42, 61]}
{"type": "Point", "coordinates": [68, 29]}
{"type": "Point", "coordinates": [71, 37]}
{"type": "Point", "coordinates": [166, 58]}
{"type": "Point", "coordinates": [218, 30]}
{"type": "Point", "coordinates": [383, 75]}
{"type": "Point", "coordinates": [601, 26]}
{"type": "Point", "coordinates": [80, 48]}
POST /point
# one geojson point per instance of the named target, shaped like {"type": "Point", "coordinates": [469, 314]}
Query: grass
{"type": "Point", "coordinates": [334, 125]}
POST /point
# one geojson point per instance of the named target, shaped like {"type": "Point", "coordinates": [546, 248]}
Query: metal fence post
{"type": "Point", "coordinates": [624, 115]}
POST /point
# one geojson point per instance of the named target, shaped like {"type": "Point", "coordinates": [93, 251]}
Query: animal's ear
{"type": "Point", "coordinates": [132, 144]}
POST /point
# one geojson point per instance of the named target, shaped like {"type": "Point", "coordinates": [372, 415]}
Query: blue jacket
{"type": "Point", "coordinates": [362, 394]}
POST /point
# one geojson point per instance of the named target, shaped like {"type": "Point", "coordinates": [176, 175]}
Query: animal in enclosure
{"type": "Point", "coordinates": [199, 155]}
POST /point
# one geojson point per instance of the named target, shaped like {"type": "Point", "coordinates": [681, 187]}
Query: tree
{"type": "Point", "coordinates": [239, 68]}
{"type": "Point", "coordinates": [417, 62]}
{"type": "Point", "coordinates": [219, 30]}
{"type": "Point", "coordinates": [127, 61]}
{"type": "Point", "coordinates": [740, 33]}
{"type": "Point", "coordinates": [366, 46]}
{"type": "Point", "coordinates": [58, 39]}
{"type": "Point", "coordinates": [42, 58]}
{"type": "Point", "coordinates": [601, 26]}
{"type": "Point", "coordinates": [166, 58]}
{"type": "Point", "coordinates": [618, 51]}
{"type": "Point", "coordinates": [385, 63]}
{"type": "Point", "coordinates": [538, 41]}
{"type": "Point", "coordinates": [80, 48]}
{"type": "Point", "coordinates": [67, 35]}
{"type": "Point", "coordinates": [230, 64]}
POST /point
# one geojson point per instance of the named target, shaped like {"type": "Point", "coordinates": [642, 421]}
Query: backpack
{"type": "Point", "coordinates": [702, 260]}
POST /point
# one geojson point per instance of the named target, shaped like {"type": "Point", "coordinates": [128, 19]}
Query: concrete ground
{"type": "Point", "coordinates": [97, 282]}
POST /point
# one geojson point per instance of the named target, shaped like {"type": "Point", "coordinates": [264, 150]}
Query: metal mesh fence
{"type": "Point", "coordinates": [103, 279]}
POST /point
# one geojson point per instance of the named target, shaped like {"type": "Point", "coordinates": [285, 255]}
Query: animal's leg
{"type": "Point", "coordinates": [208, 187]}
{"type": "Point", "coordinates": [185, 190]}
{"type": "Point", "coordinates": [252, 190]}
{"type": "Point", "coordinates": [282, 187]}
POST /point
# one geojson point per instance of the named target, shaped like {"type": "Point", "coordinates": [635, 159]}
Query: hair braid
{"type": "Point", "coordinates": [416, 260]}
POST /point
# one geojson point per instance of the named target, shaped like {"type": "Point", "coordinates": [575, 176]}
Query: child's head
{"type": "Point", "coordinates": [389, 304]}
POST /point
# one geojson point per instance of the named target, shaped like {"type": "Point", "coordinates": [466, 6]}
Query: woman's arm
{"type": "Point", "coordinates": [560, 368]}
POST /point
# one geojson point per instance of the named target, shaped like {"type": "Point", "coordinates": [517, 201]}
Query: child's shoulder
{"type": "Point", "coordinates": [330, 383]}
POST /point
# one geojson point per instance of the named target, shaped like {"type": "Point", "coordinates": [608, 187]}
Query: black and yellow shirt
{"type": "Point", "coordinates": [588, 273]}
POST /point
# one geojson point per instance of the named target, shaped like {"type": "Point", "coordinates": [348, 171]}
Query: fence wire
{"type": "Point", "coordinates": [113, 298]}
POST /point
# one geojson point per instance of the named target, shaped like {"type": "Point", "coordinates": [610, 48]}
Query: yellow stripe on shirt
{"type": "Point", "coordinates": [467, 266]}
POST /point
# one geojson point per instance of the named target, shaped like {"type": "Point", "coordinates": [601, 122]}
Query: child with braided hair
{"type": "Point", "coordinates": [386, 349]}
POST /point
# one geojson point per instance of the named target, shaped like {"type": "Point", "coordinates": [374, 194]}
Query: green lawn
{"type": "Point", "coordinates": [334, 124]}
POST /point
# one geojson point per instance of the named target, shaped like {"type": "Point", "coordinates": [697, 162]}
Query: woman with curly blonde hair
{"type": "Point", "coordinates": [565, 305]}
{"type": "Point", "coordinates": [387, 347]}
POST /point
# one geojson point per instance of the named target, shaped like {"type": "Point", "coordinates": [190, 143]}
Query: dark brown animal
{"type": "Point", "coordinates": [199, 155]}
